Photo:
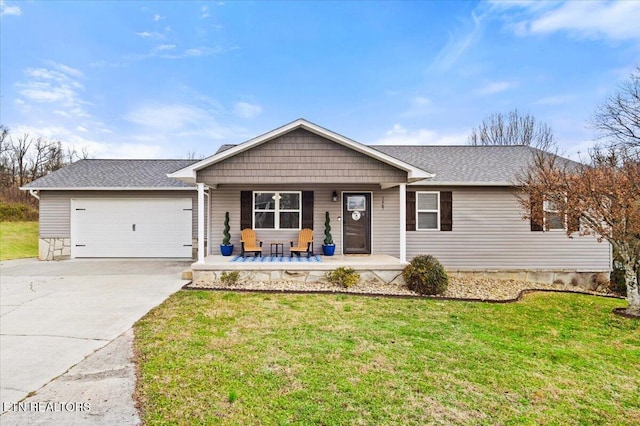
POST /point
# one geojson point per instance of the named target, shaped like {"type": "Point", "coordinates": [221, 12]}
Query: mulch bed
{"type": "Point", "coordinates": [474, 289]}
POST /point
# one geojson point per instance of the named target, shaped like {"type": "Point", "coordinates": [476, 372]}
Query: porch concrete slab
{"type": "Point", "coordinates": [357, 262]}
{"type": "Point", "coordinates": [54, 314]}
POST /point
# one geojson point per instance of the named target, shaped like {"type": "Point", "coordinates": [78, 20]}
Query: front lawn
{"type": "Point", "coordinates": [18, 240]}
{"type": "Point", "coordinates": [228, 358]}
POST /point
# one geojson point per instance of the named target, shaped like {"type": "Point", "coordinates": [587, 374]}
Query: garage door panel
{"type": "Point", "coordinates": [131, 227]}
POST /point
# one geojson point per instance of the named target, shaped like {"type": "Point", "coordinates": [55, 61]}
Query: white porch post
{"type": "Point", "coordinates": [403, 222]}
{"type": "Point", "coordinates": [200, 222]}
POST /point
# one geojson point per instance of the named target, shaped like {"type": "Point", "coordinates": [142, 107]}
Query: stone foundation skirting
{"type": "Point", "coordinates": [56, 248]}
{"type": "Point", "coordinates": [587, 280]}
{"type": "Point", "coordinates": [592, 281]}
{"type": "Point", "coordinates": [301, 276]}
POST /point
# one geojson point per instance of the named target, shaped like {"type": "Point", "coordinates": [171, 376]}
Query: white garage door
{"type": "Point", "coordinates": [131, 227]}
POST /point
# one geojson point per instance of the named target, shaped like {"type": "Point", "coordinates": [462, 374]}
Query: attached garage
{"type": "Point", "coordinates": [116, 208]}
{"type": "Point", "coordinates": [131, 227]}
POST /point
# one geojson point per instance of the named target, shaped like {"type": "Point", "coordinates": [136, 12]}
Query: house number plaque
{"type": "Point", "coordinates": [355, 215]}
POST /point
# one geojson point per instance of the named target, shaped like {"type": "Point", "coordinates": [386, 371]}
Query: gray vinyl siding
{"type": "Point", "coordinates": [384, 239]}
{"type": "Point", "coordinates": [55, 207]}
{"type": "Point", "coordinates": [489, 233]}
{"type": "Point", "coordinates": [300, 157]}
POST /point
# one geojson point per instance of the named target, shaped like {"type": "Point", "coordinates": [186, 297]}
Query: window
{"type": "Point", "coordinates": [276, 210]}
{"type": "Point", "coordinates": [428, 210]}
{"type": "Point", "coordinates": [552, 218]}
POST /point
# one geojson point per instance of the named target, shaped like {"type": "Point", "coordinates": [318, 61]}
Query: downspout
{"type": "Point", "coordinates": [206, 194]}
{"type": "Point", "coordinates": [200, 187]}
{"type": "Point", "coordinates": [403, 222]}
{"type": "Point", "coordinates": [33, 194]}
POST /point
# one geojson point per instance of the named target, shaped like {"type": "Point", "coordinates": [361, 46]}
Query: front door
{"type": "Point", "coordinates": [356, 210]}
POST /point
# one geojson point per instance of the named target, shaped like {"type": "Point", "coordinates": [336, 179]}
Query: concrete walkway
{"type": "Point", "coordinates": [53, 315]}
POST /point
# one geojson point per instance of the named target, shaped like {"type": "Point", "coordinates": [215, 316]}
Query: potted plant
{"type": "Point", "coordinates": [226, 248]}
{"type": "Point", "coordinates": [328, 248]}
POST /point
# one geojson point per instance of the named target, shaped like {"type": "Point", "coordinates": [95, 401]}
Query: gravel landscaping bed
{"type": "Point", "coordinates": [459, 288]}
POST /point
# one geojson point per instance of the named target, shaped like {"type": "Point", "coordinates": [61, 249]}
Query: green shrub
{"type": "Point", "coordinates": [226, 240]}
{"type": "Point", "coordinates": [17, 212]}
{"type": "Point", "coordinates": [344, 276]}
{"type": "Point", "coordinates": [426, 275]}
{"type": "Point", "coordinates": [230, 278]}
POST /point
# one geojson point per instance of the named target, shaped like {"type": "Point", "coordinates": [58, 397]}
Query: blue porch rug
{"type": "Point", "coordinates": [278, 259]}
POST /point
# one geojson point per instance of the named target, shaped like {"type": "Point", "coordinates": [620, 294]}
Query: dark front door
{"type": "Point", "coordinates": [356, 211]}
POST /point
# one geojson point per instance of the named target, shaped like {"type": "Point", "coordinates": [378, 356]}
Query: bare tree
{"type": "Point", "coordinates": [601, 199]}
{"type": "Point", "coordinates": [19, 151]}
{"type": "Point", "coordinates": [73, 155]}
{"type": "Point", "coordinates": [6, 177]}
{"type": "Point", "coordinates": [513, 129]}
{"type": "Point", "coordinates": [26, 158]}
{"type": "Point", "coordinates": [618, 118]}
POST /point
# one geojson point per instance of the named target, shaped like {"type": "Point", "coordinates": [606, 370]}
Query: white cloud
{"type": "Point", "coordinates": [57, 84]}
{"type": "Point", "coordinates": [45, 92]}
{"type": "Point", "coordinates": [458, 44]}
{"type": "Point", "coordinates": [171, 51]}
{"type": "Point", "coordinates": [418, 106]}
{"type": "Point", "coordinates": [421, 101]}
{"type": "Point", "coordinates": [493, 87]}
{"type": "Point", "coordinates": [73, 72]}
{"type": "Point", "coordinates": [162, 47]}
{"type": "Point", "coordinates": [167, 117]}
{"type": "Point", "coordinates": [615, 20]}
{"type": "Point", "coordinates": [157, 17]}
{"type": "Point", "coordinates": [205, 12]}
{"type": "Point", "coordinates": [246, 109]}
{"type": "Point", "coordinates": [399, 135]}
{"type": "Point", "coordinates": [193, 52]}
{"type": "Point", "coordinates": [6, 10]}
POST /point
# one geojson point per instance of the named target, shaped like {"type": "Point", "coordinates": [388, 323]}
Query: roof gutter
{"type": "Point", "coordinates": [33, 194]}
{"type": "Point", "coordinates": [105, 188]}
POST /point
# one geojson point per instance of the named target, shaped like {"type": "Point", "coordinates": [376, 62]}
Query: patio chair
{"type": "Point", "coordinates": [305, 243]}
{"type": "Point", "coordinates": [248, 240]}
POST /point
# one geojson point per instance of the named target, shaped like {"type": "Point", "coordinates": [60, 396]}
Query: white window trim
{"type": "Point", "coordinates": [546, 210]}
{"type": "Point", "coordinates": [437, 211]}
{"type": "Point", "coordinates": [276, 211]}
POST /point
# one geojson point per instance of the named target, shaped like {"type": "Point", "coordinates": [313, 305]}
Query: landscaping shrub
{"type": "Point", "coordinates": [17, 212]}
{"type": "Point", "coordinates": [344, 276]}
{"type": "Point", "coordinates": [426, 275]}
{"type": "Point", "coordinates": [230, 278]}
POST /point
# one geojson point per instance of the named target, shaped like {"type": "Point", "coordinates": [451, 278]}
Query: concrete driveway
{"type": "Point", "coordinates": [54, 314]}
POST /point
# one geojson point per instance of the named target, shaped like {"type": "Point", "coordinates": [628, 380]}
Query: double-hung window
{"type": "Point", "coordinates": [277, 210]}
{"type": "Point", "coordinates": [428, 210]}
{"type": "Point", "coordinates": [552, 217]}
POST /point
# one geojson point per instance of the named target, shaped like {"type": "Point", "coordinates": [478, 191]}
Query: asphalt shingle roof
{"type": "Point", "coordinates": [473, 165]}
{"type": "Point", "coordinates": [466, 164]}
{"type": "Point", "coordinates": [114, 174]}
{"type": "Point", "coordinates": [461, 164]}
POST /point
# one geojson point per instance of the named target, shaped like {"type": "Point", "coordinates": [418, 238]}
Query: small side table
{"type": "Point", "coordinates": [279, 249]}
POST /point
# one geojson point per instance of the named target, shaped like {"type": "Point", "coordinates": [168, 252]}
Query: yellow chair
{"type": "Point", "coordinates": [305, 243]}
{"type": "Point", "coordinates": [248, 240]}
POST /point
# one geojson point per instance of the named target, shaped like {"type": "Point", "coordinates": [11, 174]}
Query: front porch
{"type": "Point", "coordinates": [381, 268]}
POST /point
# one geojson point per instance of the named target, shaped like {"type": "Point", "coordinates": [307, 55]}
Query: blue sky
{"type": "Point", "coordinates": [143, 79]}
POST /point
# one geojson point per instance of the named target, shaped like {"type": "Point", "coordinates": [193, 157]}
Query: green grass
{"type": "Point", "coordinates": [227, 358]}
{"type": "Point", "coordinates": [18, 240]}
